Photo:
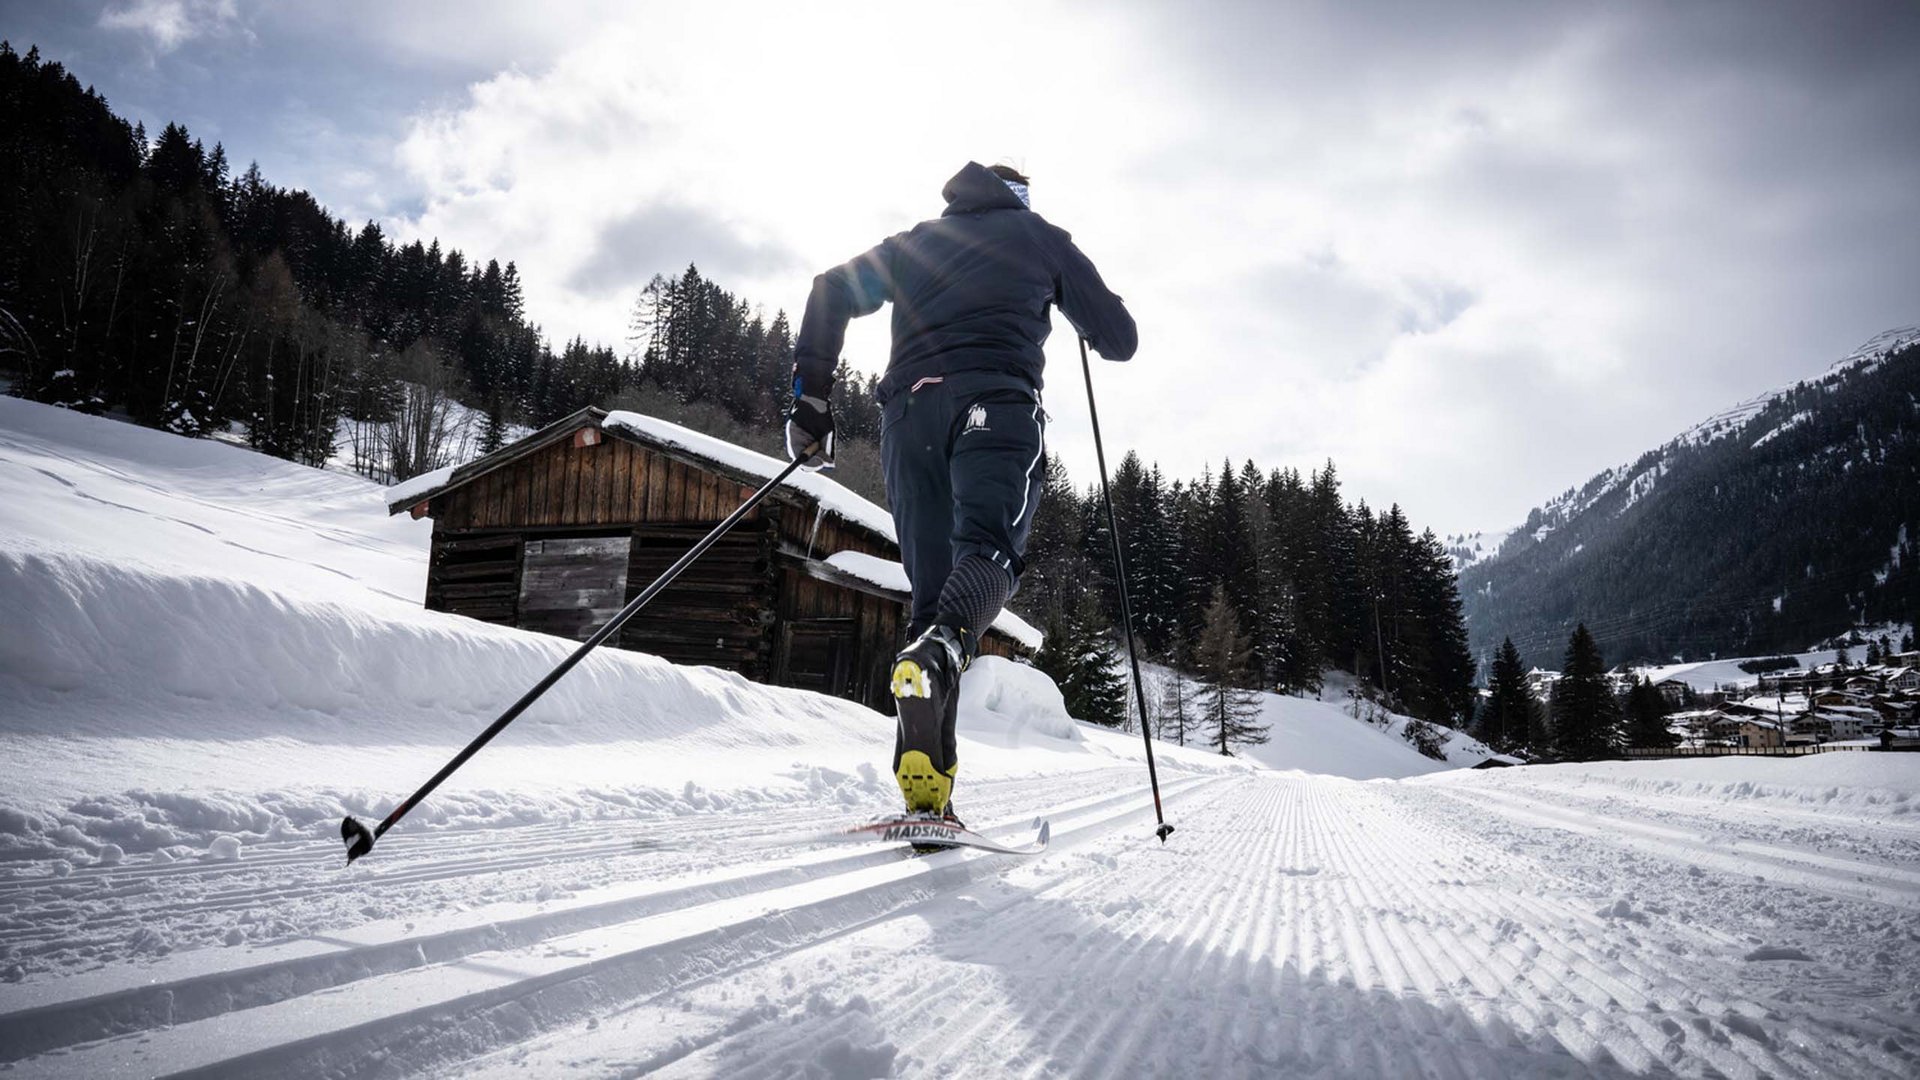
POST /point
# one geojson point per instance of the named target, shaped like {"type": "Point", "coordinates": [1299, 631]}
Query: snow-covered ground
{"type": "Point", "coordinates": [207, 656]}
{"type": "Point", "coordinates": [1332, 734]}
{"type": "Point", "coordinates": [1707, 675]}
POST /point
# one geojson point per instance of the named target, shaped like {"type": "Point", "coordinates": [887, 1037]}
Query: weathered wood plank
{"type": "Point", "coordinates": [605, 480]}
{"type": "Point", "coordinates": [676, 508]}
{"type": "Point", "coordinates": [580, 484]}
{"type": "Point", "coordinates": [484, 542]}
{"type": "Point", "coordinates": [570, 586]}
{"type": "Point", "coordinates": [494, 498]}
{"type": "Point", "coordinates": [522, 497]}
{"type": "Point", "coordinates": [483, 590]}
{"type": "Point", "coordinates": [555, 497]}
{"type": "Point", "coordinates": [656, 487]}
{"type": "Point", "coordinates": [482, 571]}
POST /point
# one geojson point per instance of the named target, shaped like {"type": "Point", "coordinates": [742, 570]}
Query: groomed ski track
{"type": "Point", "coordinates": [1295, 925]}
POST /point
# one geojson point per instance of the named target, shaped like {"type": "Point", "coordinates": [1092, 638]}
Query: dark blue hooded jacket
{"type": "Point", "coordinates": [971, 291]}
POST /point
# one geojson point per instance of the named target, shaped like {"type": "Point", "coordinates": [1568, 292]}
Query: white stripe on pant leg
{"type": "Point", "coordinates": [1026, 493]}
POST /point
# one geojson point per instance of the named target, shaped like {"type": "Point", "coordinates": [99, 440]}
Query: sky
{"type": "Point", "coordinates": [1473, 253]}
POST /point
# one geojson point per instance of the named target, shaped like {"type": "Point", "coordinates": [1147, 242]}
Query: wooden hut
{"type": "Point", "coordinates": [556, 532]}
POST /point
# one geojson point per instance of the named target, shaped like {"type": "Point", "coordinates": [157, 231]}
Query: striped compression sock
{"type": "Point", "coordinates": [975, 592]}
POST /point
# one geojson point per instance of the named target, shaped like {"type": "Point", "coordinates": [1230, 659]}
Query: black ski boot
{"type": "Point", "coordinates": [926, 682]}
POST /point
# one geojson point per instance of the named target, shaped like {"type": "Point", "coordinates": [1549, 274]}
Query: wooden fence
{"type": "Point", "coordinates": [1743, 751]}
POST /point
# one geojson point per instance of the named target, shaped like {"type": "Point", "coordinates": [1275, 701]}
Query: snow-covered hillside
{"type": "Point", "coordinates": [234, 644]}
{"type": "Point", "coordinates": [1772, 526]}
{"type": "Point", "coordinates": [207, 656]}
{"type": "Point", "coordinates": [1726, 424]}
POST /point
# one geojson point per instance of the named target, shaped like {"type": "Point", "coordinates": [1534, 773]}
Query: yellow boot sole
{"type": "Point", "coordinates": [926, 789]}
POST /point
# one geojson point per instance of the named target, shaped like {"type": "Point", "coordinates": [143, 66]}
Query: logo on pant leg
{"type": "Point", "coordinates": [976, 420]}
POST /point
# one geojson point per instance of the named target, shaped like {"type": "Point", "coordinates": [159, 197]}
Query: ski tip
{"type": "Point", "coordinates": [1046, 833]}
{"type": "Point", "coordinates": [359, 838]}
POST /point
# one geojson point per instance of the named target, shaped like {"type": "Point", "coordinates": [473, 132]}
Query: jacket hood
{"type": "Point", "coordinates": [974, 188]}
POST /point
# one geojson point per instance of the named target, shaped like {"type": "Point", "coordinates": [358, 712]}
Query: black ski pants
{"type": "Point", "coordinates": [962, 455]}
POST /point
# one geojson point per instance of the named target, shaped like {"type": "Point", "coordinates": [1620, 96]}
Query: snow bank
{"type": "Point", "coordinates": [152, 710]}
{"type": "Point", "coordinates": [1867, 782]}
{"type": "Point", "coordinates": [1011, 702]}
{"type": "Point", "coordinates": [136, 497]}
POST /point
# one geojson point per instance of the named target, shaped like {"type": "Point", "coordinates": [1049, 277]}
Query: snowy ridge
{"type": "Point", "coordinates": [1641, 477]}
{"type": "Point", "coordinates": [1467, 549]}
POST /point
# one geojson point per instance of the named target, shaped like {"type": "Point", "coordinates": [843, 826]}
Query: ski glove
{"type": "Point", "coordinates": [810, 424]}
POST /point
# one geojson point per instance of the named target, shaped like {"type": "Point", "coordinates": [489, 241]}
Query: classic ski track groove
{"type": "Point", "coordinates": [1455, 978]}
{"type": "Point", "coordinates": [305, 871]}
{"type": "Point", "coordinates": [1841, 876]}
{"type": "Point", "coordinates": [1293, 925]}
{"type": "Point", "coordinates": [264, 981]}
{"type": "Point", "coordinates": [119, 1055]}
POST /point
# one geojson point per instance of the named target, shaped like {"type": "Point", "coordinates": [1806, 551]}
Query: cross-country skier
{"type": "Point", "coordinates": [962, 432]}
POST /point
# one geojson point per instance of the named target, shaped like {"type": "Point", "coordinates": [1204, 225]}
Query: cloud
{"type": "Point", "coordinates": [168, 24]}
{"type": "Point", "coordinates": [635, 151]}
{"type": "Point", "coordinates": [664, 238]}
{"type": "Point", "coordinates": [1474, 253]}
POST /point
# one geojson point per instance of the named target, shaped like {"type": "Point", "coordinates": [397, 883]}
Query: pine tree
{"type": "Point", "coordinates": [1081, 657]}
{"type": "Point", "coordinates": [1231, 712]}
{"type": "Point", "coordinates": [1539, 738]}
{"type": "Point", "coordinates": [1586, 718]}
{"type": "Point", "coordinates": [1098, 681]}
{"type": "Point", "coordinates": [1056, 571]}
{"type": "Point", "coordinates": [1507, 717]}
{"type": "Point", "coordinates": [1874, 656]}
{"type": "Point", "coordinates": [1179, 711]}
{"type": "Point", "coordinates": [493, 426]}
{"type": "Point", "coordinates": [1647, 718]}
{"type": "Point", "coordinates": [1295, 655]}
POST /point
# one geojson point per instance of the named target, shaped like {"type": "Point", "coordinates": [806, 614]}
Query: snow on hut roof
{"type": "Point", "coordinates": [890, 575]}
{"type": "Point", "coordinates": [831, 496]}
{"type": "Point", "coordinates": [410, 491]}
{"type": "Point", "coordinates": [836, 499]}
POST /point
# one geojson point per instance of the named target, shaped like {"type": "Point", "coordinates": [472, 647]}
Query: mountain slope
{"type": "Point", "coordinates": [1786, 519]}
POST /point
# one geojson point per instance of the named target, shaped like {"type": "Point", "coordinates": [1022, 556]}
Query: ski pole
{"type": "Point", "coordinates": [360, 839]}
{"type": "Point", "coordinates": [1126, 610]}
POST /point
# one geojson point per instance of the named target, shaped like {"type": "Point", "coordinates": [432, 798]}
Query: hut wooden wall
{"type": "Point", "coordinates": [797, 527]}
{"type": "Point", "coordinates": [476, 576]}
{"type": "Point", "coordinates": [721, 611]}
{"type": "Point", "coordinates": [834, 639]}
{"type": "Point", "coordinates": [612, 483]}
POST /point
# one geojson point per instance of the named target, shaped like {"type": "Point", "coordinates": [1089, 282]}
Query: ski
{"type": "Point", "coordinates": [931, 832]}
